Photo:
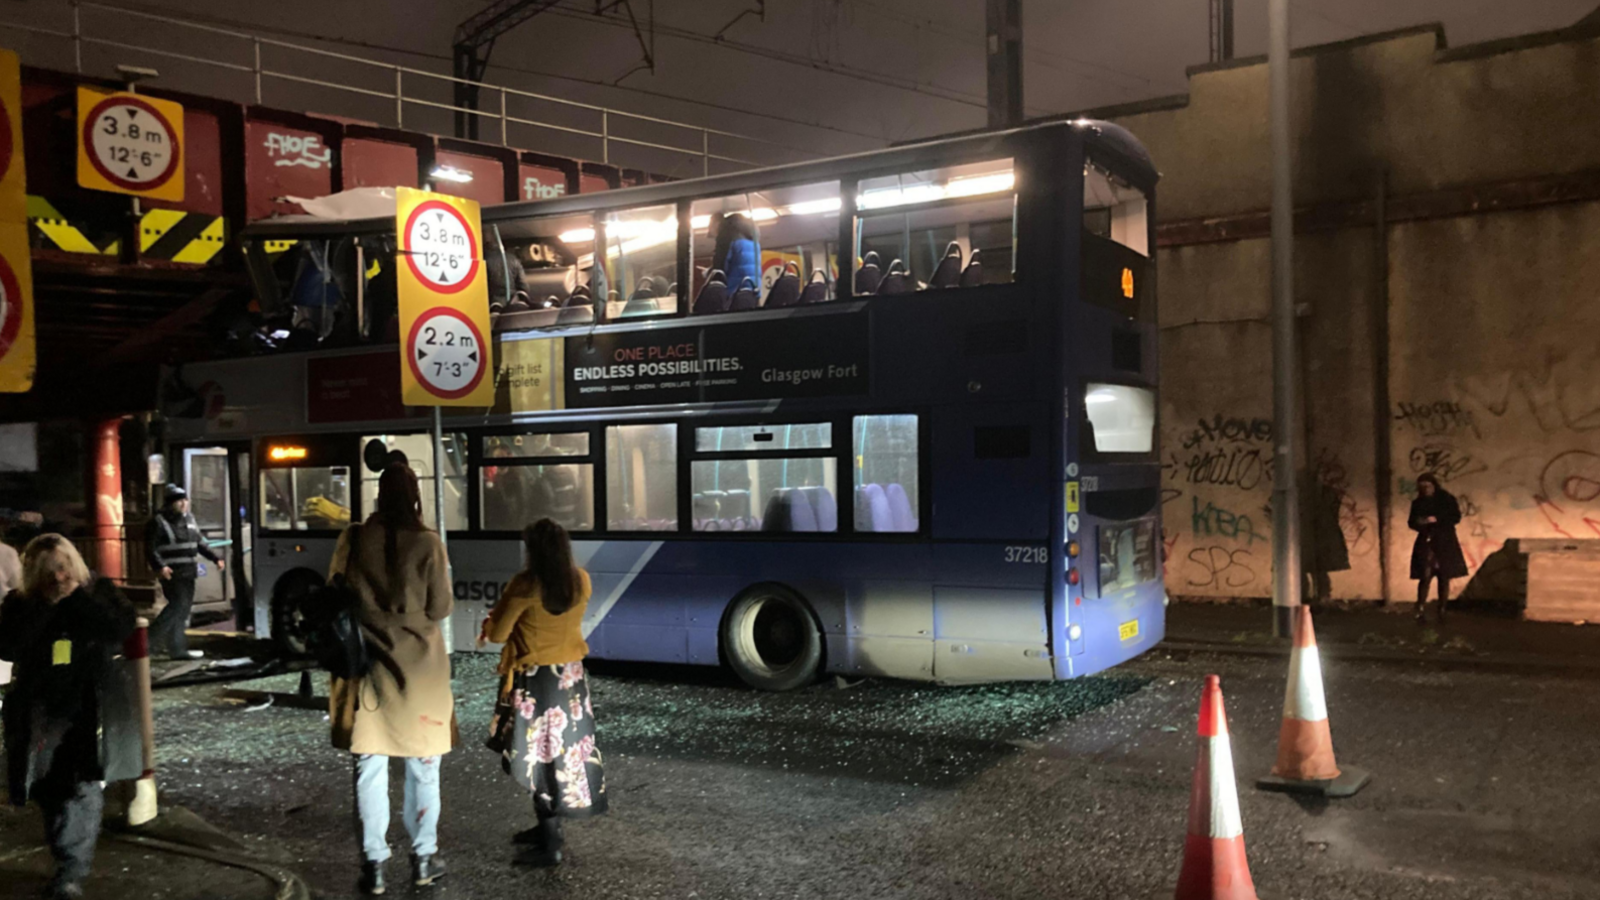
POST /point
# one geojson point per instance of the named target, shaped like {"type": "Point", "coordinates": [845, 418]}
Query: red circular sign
{"type": "Point", "coordinates": [10, 307]}
{"type": "Point", "coordinates": [168, 147]}
{"type": "Point", "coordinates": [430, 244]}
{"type": "Point", "coordinates": [449, 362]}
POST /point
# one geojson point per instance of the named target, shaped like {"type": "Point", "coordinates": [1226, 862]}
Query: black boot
{"type": "Point", "coordinates": [372, 878]}
{"type": "Point", "coordinates": [425, 870]}
{"type": "Point", "coordinates": [544, 846]}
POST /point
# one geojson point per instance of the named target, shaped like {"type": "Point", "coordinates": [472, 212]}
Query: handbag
{"type": "Point", "coordinates": [503, 721]}
{"type": "Point", "coordinates": [336, 640]}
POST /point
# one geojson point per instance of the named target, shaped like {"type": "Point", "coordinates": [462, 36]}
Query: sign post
{"type": "Point", "coordinates": [18, 356]}
{"type": "Point", "coordinates": [444, 317]}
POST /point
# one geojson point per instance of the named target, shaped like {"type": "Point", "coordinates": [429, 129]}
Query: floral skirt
{"type": "Point", "coordinates": [544, 730]}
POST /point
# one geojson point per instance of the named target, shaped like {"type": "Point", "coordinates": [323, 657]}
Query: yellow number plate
{"type": "Point", "coordinates": [1128, 630]}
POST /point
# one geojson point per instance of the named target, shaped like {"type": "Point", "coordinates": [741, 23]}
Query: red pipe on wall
{"type": "Point", "coordinates": [108, 498]}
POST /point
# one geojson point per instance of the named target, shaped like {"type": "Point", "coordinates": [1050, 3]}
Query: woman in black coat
{"type": "Point", "coordinates": [1436, 554]}
{"type": "Point", "coordinates": [60, 631]}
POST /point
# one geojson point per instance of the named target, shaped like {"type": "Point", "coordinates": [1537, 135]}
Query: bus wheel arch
{"type": "Point", "coordinates": [771, 638]}
{"type": "Point", "coordinates": [290, 627]}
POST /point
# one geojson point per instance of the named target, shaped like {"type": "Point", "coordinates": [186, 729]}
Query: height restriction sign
{"type": "Point", "coordinates": [130, 144]}
{"type": "Point", "coordinates": [444, 301]}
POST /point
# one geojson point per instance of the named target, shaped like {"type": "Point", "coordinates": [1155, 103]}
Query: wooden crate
{"type": "Point", "coordinates": [1563, 580]}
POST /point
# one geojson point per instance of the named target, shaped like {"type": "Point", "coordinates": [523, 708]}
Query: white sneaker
{"type": "Point", "coordinates": [190, 654]}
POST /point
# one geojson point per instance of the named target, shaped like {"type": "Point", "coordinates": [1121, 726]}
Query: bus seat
{"type": "Point", "coordinates": [777, 516]}
{"type": "Point", "coordinates": [802, 514]}
{"type": "Point", "coordinates": [748, 296]}
{"type": "Point", "coordinates": [826, 507]}
{"type": "Point", "coordinates": [972, 275]}
{"type": "Point", "coordinates": [736, 508]}
{"type": "Point", "coordinates": [872, 509]}
{"type": "Point", "coordinates": [704, 508]}
{"type": "Point", "coordinates": [816, 290]}
{"type": "Point", "coordinates": [643, 299]}
{"type": "Point", "coordinates": [868, 275]}
{"type": "Point", "coordinates": [579, 297]}
{"type": "Point", "coordinates": [786, 290]}
{"type": "Point", "coordinates": [900, 509]}
{"type": "Point", "coordinates": [897, 280]}
{"type": "Point", "coordinates": [948, 273]}
{"type": "Point", "coordinates": [575, 315]}
{"type": "Point", "coordinates": [713, 296]}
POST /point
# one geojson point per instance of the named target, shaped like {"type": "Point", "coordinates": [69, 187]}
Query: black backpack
{"type": "Point", "coordinates": [336, 641]}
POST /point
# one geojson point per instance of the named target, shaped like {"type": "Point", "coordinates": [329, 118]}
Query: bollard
{"type": "Point", "coordinates": [143, 807]}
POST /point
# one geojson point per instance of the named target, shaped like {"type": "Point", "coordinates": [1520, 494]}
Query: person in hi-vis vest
{"type": "Point", "coordinates": [174, 545]}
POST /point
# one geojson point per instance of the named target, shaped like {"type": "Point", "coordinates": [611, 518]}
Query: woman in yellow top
{"type": "Point", "coordinates": [544, 724]}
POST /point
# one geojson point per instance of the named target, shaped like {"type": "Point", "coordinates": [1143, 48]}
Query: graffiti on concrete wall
{"type": "Point", "coordinates": [1222, 569]}
{"type": "Point", "coordinates": [1231, 429]}
{"type": "Point", "coordinates": [1569, 493]}
{"type": "Point", "coordinates": [1436, 418]}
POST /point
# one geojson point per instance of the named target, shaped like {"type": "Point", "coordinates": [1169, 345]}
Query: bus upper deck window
{"type": "Point", "coordinates": [641, 262]}
{"type": "Point", "coordinates": [765, 249]}
{"type": "Point", "coordinates": [1114, 209]}
{"type": "Point", "coordinates": [939, 228]}
{"type": "Point", "coordinates": [549, 275]}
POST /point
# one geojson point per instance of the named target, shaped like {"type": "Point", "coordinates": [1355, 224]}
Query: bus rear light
{"type": "Point", "coordinates": [1072, 576]}
{"type": "Point", "coordinates": [1073, 549]}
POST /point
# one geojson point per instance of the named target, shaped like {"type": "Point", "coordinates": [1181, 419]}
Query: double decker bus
{"type": "Point", "coordinates": [889, 414]}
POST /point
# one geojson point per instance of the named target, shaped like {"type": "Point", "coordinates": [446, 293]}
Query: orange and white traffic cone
{"type": "Point", "coordinates": [1214, 864]}
{"type": "Point", "coordinates": [1305, 743]}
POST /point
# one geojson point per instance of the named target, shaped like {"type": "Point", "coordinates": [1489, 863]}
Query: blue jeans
{"type": "Point", "coordinates": [421, 805]}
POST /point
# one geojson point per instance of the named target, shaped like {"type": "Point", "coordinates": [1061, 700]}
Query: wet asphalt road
{"type": "Point", "coordinates": [1484, 787]}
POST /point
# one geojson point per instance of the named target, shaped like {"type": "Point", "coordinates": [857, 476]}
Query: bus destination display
{"type": "Point", "coordinates": [814, 356]}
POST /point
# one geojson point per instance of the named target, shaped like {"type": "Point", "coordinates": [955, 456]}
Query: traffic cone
{"type": "Point", "coordinates": [1214, 864]}
{"type": "Point", "coordinates": [1305, 744]}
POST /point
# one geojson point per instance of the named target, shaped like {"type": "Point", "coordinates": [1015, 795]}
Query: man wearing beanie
{"type": "Point", "coordinates": [175, 544]}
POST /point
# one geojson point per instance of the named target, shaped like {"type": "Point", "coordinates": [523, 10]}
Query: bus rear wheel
{"type": "Point", "coordinates": [771, 640]}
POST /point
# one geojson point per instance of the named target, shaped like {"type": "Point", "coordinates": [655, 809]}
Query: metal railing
{"type": "Point", "coordinates": [261, 74]}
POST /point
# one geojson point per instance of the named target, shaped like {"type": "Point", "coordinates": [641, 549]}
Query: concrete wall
{"type": "Point", "coordinates": [1493, 355]}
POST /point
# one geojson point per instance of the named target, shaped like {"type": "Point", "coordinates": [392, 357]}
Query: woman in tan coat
{"type": "Point", "coordinates": [544, 724]}
{"type": "Point", "coordinates": [403, 707]}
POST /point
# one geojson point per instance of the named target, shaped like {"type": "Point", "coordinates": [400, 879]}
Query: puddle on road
{"type": "Point", "coordinates": [878, 730]}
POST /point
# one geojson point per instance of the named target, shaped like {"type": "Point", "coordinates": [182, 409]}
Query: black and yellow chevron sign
{"type": "Point", "coordinates": [165, 234]}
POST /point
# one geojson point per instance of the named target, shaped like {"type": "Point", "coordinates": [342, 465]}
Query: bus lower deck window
{"type": "Point", "coordinates": [313, 498]}
{"type": "Point", "coordinates": [642, 477]}
{"type": "Point", "coordinates": [773, 494]}
{"type": "Point", "coordinates": [886, 483]}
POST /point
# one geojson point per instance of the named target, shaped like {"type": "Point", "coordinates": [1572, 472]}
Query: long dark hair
{"type": "Point", "coordinates": [549, 565]}
{"type": "Point", "coordinates": [399, 509]}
